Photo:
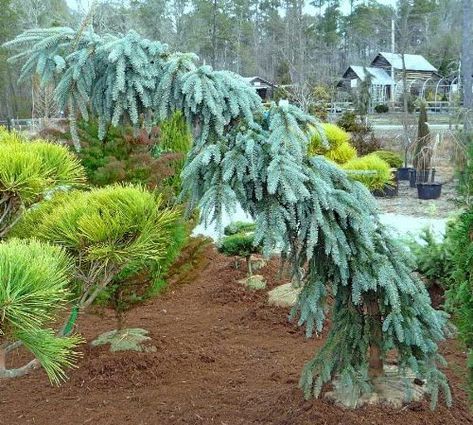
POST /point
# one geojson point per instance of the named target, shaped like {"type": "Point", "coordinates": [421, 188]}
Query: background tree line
{"type": "Point", "coordinates": [286, 41]}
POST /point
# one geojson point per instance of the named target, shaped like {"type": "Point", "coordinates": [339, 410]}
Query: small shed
{"type": "Point", "coordinates": [263, 87]}
{"type": "Point", "coordinates": [381, 82]}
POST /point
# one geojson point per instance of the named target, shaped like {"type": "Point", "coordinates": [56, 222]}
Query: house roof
{"type": "Point", "coordinates": [378, 76]}
{"type": "Point", "coordinates": [413, 62]}
{"type": "Point", "coordinates": [259, 82]}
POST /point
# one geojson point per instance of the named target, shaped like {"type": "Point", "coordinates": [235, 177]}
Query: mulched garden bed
{"type": "Point", "coordinates": [223, 357]}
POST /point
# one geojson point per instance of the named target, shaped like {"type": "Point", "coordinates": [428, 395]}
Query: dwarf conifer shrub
{"type": "Point", "coordinates": [239, 227]}
{"type": "Point", "coordinates": [433, 258]}
{"type": "Point", "coordinates": [341, 154]}
{"type": "Point", "coordinates": [154, 159]}
{"type": "Point", "coordinates": [331, 141]}
{"type": "Point", "coordinates": [392, 158]}
{"type": "Point", "coordinates": [326, 137]}
{"type": "Point", "coordinates": [370, 170]}
{"type": "Point", "coordinates": [107, 231]}
{"type": "Point", "coordinates": [459, 297]}
{"type": "Point", "coordinates": [28, 171]}
{"type": "Point", "coordinates": [241, 245]}
{"type": "Point", "coordinates": [422, 149]}
{"type": "Point", "coordinates": [34, 285]}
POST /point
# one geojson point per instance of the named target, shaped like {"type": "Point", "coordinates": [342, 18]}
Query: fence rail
{"type": "Point", "coordinates": [439, 106]}
{"type": "Point", "coordinates": [32, 124]}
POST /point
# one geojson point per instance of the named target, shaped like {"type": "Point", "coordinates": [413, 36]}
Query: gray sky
{"type": "Point", "coordinates": [85, 4]}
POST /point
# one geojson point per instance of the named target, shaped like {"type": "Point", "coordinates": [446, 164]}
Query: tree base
{"type": "Point", "coordinates": [284, 295]}
{"type": "Point", "coordinates": [391, 389]}
{"type": "Point", "coordinates": [255, 282]}
{"type": "Point", "coordinates": [125, 340]}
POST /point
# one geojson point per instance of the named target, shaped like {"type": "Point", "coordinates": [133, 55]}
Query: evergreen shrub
{"type": "Point", "coordinates": [34, 287]}
{"type": "Point", "coordinates": [370, 170]}
{"type": "Point", "coordinates": [381, 109]}
{"type": "Point", "coordinates": [112, 233]}
{"type": "Point", "coordinates": [392, 158]}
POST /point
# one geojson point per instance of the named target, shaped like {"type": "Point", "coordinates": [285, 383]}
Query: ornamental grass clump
{"type": "Point", "coordinates": [28, 172]}
{"type": "Point", "coordinates": [34, 285]}
{"type": "Point", "coordinates": [107, 231]}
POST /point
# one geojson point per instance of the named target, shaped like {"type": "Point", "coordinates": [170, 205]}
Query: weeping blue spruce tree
{"type": "Point", "coordinates": [246, 155]}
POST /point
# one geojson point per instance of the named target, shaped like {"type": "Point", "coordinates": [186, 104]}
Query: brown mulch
{"type": "Point", "coordinates": [223, 357]}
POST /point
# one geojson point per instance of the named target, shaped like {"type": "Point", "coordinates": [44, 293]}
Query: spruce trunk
{"type": "Point", "coordinates": [376, 362]}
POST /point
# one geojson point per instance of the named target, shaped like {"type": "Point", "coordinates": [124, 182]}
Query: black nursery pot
{"type": "Point", "coordinates": [403, 173]}
{"type": "Point", "coordinates": [422, 176]}
{"type": "Point", "coordinates": [388, 191]}
{"type": "Point", "coordinates": [429, 190]}
{"type": "Point", "coordinates": [412, 177]}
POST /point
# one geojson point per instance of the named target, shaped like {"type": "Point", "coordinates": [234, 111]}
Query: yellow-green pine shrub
{"type": "Point", "coordinates": [334, 136]}
{"type": "Point", "coordinates": [392, 158]}
{"type": "Point", "coordinates": [370, 170]}
{"type": "Point", "coordinates": [343, 153]}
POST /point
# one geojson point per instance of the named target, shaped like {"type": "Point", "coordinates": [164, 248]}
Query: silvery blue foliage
{"type": "Point", "coordinates": [244, 154]}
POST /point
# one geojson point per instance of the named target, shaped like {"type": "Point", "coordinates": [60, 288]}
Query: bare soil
{"type": "Point", "coordinates": [223, 357]}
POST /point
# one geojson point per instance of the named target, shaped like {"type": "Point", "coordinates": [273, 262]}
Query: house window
{"type": "Point", "coordinates": [354, 83]}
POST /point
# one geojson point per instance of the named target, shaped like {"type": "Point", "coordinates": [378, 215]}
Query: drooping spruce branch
{"type": "Point", "coordinates": [308, 208]}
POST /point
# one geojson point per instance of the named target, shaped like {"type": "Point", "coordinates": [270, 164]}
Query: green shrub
{"type": "Point", "coordinates": [239, 227]}
{"type": "Point", "coordinates": [34, 285]}
{"type": "Point", "coordinates": [28, 171]}
{"type": "Point", "coordinates": [332, 134]}
{"type": "Point", "coordinates": [341, 154]}
{"type": "Point", "coordinates": [174, 135]}
{"type": "Point", "coordinates": [362, 137]}
{"type": "Point", "coordinates": [154, 159]}
{"type": "Point", "coordinates": [242, 245]}
{"type": "Point", "coordinates": [392, 158]}
{"type": "Point", "coordinates": [370, 170]}
{"type": "Point", "coordinates": [433, 259]}
{"type": "Point", "coordinates": [349, 122]}
{"type": "Point", "coordinates": [459, 297]}
{"type": "Point", "coordinates": [332, 142]}
{"type": "Point", "coordinates": [381, 109]}
{"type": "Point", "coordinates": [108, 231]}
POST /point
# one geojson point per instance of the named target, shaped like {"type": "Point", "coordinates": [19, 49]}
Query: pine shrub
{"type": "Point", "coordinates": [111, 232]}
{"type": "Point", "coordinates": [341, 154]}
{"type": "Point", "coordinates": [392, 158]}
{"type": "Point", "coordinates": [370, 170]}
{"type": "Point", "coordinates": [33, 288]}
{"type": "Point", "coordinates": [332, 142]}
{"type": "Point", "coordinates": [29, 171]}
{"type": "Point", "coordinates": [241, 245]}
{"type": "Point", "coordinates": [459, 297]}
{"type": "Point", "coordinates": [326, 137]}
{"type": "Point", "coordinates": [381, 108]}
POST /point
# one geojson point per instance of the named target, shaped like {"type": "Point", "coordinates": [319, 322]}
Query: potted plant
{"type": "Point", "coordinates": [403, 173]}
{"type": "Point", "coordinates": [423, 175]}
